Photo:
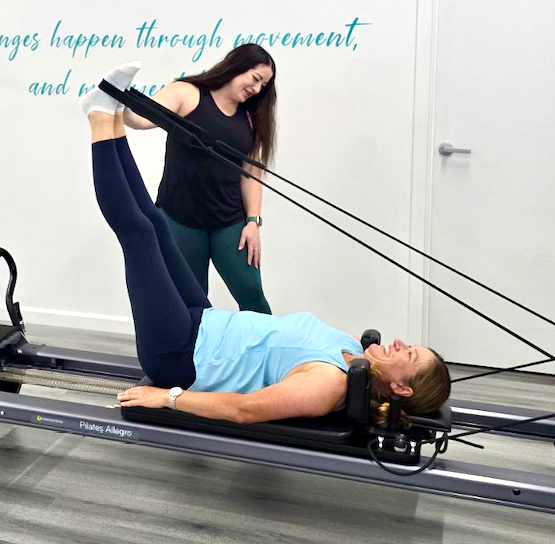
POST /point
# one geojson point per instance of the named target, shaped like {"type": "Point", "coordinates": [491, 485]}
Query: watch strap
{"type": "Point", "coordinates": [173, 394]}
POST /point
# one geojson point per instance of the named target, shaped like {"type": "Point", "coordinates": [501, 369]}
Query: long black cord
{"type": "Point", "coordinates": [501, 370]}
{"type": "Point", "coordinates": [387, 234]}
{"type": "Point", "coordinates": [199, 131]}
{"type": "Point", "coordinates": [169, 121]}
{"type": "Point", "coordinates": [459, 437]}
{"type": "Point", "coordinates": [222, 145]}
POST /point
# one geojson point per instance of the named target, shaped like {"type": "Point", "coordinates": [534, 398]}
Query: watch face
{"type": "Point", "coordinates": [176, 391]}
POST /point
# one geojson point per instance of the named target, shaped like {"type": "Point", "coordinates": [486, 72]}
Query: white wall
{"type": "Point", "coordinates": [345, 132]}
{"type": "Point", "coordinates": [357, 124]}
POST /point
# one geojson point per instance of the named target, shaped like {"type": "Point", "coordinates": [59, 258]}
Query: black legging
{"type": "Point", "coordinates": [166, 299]}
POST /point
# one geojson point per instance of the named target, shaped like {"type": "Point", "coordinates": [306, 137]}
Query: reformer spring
{"type": "Point", "coordinates": [49, 378]}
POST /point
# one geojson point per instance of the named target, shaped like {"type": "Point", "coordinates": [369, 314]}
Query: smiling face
{"type": "Point", "coordinates": [398, 363]}
{"type": "Point", "coordinates": [250, 83]}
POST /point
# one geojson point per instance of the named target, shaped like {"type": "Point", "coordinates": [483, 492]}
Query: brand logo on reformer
{"type": "Point", "coordinates": [49, 421]}
{"type": "Point", "coordinates": [82, 426]}
{"type": "Point", "coordinates": [94, 427]}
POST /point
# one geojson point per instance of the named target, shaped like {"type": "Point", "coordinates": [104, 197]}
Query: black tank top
{"type": "Point", "coordinates": [198, 190]}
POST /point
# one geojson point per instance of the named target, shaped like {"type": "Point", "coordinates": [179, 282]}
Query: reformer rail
{"type": "Point", "coordinates": [463, 480]}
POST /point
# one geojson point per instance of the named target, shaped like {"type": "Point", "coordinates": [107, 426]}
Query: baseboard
{"type": "Point", "coordinates": [74, 320]}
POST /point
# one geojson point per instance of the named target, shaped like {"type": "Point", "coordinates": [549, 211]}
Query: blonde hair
{"type": "Point", "coordinates": [431, 387]}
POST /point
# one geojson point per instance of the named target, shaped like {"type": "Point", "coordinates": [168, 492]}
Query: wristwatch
{"type": "Point", "coordinates": [174, 393]}
{"type": "Point", "coordinates": [254, 219]}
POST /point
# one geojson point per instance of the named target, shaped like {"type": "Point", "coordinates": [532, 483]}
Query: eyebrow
{"type": "Point", "coordinates": [265, 82]}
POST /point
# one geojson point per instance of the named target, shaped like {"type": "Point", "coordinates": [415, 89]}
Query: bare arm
{"type": "Point", "coordinates": [251, 190]}
{"type": "Point", "coordinates": [180, 97]}
{"type": "Point", "coordinates": [306, 394]}
{"type": "Point", "coordinates": [251, 193]}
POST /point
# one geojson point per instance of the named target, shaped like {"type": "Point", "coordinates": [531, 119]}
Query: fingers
{"type": "Point", "coordinates": [129, 397]}
{"type": "Point", "coordinates": [130, 403]}
{"type": "Point", "coordinates": [130, 391]}
{"type": "Point", "coordinates": [242, 241]}
{"type": "Point", "coordinates": [147, 396]}
{"type": "Point", "coordinates": [256, 257]}
{"type": "Point", "coordinates": [253, 254]}
{"type": "Point", "coordinates": [252, 242]}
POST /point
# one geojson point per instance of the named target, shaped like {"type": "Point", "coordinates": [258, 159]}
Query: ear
{"type": "Point", "coordinates": [401, 390]}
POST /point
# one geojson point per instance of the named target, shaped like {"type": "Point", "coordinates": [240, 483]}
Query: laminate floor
{"type": "Point", "coordinates": [63, 488]}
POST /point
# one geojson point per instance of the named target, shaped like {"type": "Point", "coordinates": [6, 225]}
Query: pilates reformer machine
{"type": "Point", "coordinates": [343, 444]}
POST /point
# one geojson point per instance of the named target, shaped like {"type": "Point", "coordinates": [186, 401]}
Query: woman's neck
{"type": "Point", "coordinates": [349, 357]}
{"type": "Point", "coordinates": [378, 387]}
{"type": "Point", "coordinates": [224, 102]}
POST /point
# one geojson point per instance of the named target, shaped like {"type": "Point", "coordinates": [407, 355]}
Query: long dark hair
{"type": "Point", "coordinates": [261, 107]}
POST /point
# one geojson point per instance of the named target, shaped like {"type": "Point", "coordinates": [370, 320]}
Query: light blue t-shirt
{"type": "Point", "coordinates": [246, 351]}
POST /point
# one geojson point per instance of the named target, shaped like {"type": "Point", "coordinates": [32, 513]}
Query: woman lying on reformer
{"type": "Point", "coordinates": [243, 367]}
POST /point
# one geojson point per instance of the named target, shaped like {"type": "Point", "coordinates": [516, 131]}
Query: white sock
{"type": "Point", "coordinates": [120, 77]}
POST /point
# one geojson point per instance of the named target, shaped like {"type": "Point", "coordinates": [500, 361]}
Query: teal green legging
{"type": "Point", "coordinates": [198, 246]}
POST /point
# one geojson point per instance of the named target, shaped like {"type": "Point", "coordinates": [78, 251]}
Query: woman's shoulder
{"type": "Point", "coordinates": [185, 85]}
{"type": "Point", "coordinates": [187, 94]}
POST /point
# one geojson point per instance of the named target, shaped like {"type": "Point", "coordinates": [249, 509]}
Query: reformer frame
{"type": "Point", "coordinates": [447, 477]}
{"type": "Point", "coordinates": [500, 486]}
{"type": "Point", "coordinates": [468, 414]}
{"type": "Point", "coordinates": [464, 480]}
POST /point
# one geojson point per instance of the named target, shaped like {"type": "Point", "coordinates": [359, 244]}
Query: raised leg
{"type": "Point", "coordinates": [165, 327]}
{"type": "Point", "coordinates": [184, 279]}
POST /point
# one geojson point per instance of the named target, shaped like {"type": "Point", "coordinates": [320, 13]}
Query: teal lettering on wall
{"type": "Point", "coordinates": [148, 37]}
{"type": "Point", "coordinates": [82, 42]}
{"type": "Point", "coordinates": [49, 89]}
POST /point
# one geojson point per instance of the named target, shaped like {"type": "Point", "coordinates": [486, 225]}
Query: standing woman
{"type": "Point", "coordinates": [213, 212]}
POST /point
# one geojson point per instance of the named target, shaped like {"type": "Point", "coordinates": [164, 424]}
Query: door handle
{"type": "Point", "coordinates": [446, 148]}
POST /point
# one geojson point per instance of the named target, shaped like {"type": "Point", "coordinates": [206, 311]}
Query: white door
{"type": "Point", "coordinates": [493, 210]}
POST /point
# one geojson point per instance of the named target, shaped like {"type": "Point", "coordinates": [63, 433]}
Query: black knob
{"type": "Point", "coordinates": [369, 337]}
